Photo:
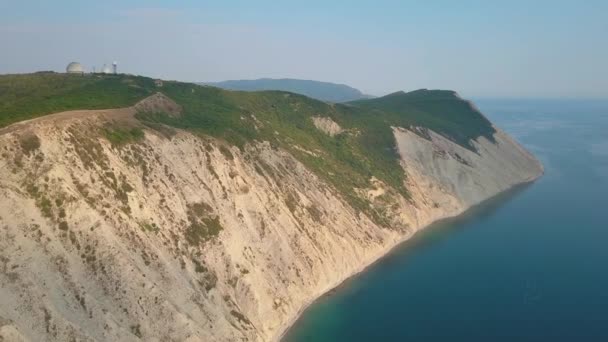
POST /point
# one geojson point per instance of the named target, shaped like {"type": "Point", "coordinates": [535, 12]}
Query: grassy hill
{"type": "Point", "coordinates": [324, 91]}
{"type": "Point", "coordinates": [348, 160]}
{"type": "Point", "coordinates": [26, 96]}
{"type": "Point", "coordinates": [440, 110]}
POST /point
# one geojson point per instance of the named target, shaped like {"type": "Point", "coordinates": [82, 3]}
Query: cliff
{"type": "Point", "coordinates": [129, 223]}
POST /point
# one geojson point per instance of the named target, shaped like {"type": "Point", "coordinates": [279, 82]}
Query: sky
{"type": "Point", "coordinates": [549, 49]}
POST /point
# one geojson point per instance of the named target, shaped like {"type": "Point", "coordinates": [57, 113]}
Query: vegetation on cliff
{"type": "Point", "coordinates": [364, 149]}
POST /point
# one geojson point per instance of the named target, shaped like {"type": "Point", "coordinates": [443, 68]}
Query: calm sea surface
{"type": "Point", "coordinates": [530, 265]}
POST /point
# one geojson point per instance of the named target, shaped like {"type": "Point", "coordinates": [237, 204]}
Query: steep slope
{"type": "Point", "coordinates": [324, 91]}
{"type": "Point", "coordinates": [221, 214]}
{"type": "Point", "coordinates": [440, 110]}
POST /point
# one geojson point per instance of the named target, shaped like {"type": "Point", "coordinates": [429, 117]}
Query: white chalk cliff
{"type": "Point", "coordinates": [100, 242]}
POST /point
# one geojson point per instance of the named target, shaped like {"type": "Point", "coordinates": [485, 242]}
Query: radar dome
{"type": "Point", "coordinates": [74, 68]}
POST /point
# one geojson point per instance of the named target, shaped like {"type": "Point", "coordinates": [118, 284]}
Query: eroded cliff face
{"type": "Point", "coordinates": [454, 177]}
{"type": "Point", "coordinates": [178, 237]}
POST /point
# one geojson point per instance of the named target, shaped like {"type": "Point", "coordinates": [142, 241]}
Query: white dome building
{"type": "Point", "coordinates": [106, 69]}
{"type": "Point", "coordinates": [74, 68]}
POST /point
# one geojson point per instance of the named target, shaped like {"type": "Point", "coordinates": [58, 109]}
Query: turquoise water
{"type": "Point", "coordinates": [530, 265]}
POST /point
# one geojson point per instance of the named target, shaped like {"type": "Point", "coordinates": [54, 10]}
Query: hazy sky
{"type": "Point", "coordinates": [479, 48]}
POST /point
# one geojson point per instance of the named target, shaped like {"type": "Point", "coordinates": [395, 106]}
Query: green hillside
{"type": "Point", "coordinates": [26, 96]}
{"type": "Point", "coordinates": [443, 111]}
{"type": "Point", "coordinates": [348, 160]}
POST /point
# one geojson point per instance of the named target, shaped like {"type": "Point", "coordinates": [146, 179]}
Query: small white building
{"type": "Point", "coordinates": [106, 69]}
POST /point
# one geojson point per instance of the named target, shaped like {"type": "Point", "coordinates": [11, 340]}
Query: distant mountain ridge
{"type": "Point", "coordinates": [324, 91]}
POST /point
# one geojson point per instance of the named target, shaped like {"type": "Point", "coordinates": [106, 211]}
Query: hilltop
{"type": "Point", "coordinates": [324, 91]}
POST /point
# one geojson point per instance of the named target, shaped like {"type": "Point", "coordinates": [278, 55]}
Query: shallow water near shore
{"type": "Point", "coordinates": [528, 265]}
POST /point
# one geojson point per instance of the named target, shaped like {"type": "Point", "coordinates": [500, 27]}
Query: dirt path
{"type": "Point", "coordinates": [157, 102]}
{"type": "Point", "coordinates": [118, 113]}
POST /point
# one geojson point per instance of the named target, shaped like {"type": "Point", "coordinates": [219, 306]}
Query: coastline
{"type": "Point", "coordinates": [338, 271]}
{"type": "Point", "coordinates": [462, 214]}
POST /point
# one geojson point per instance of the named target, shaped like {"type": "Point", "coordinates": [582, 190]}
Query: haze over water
{"type": "Point", "coordinates": [530, 265]}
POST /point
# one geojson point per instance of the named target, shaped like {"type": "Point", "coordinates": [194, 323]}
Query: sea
{"type": "Point", "coordinates": [528, 265]}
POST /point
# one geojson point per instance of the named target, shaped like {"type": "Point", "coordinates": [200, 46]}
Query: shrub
{"type": "Point", "coordinates": [147, 227]}
{"type": "Point", "coordinates": [203, 230]}
{"type": "Point", "coordinates": [63, 225]}
{"type": "Point", "coordinates": [291, 202]}
{"type": "Point", "coordinates": [29, 143]}
{"type": "Point", "coordinates": [226, 152]}
{"type": "Point", "coordinates": [136, 330]}
{"type": "Point", "coordinates": [198, 267]}
{"type": "Point", "coordinates": [119, 136]}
